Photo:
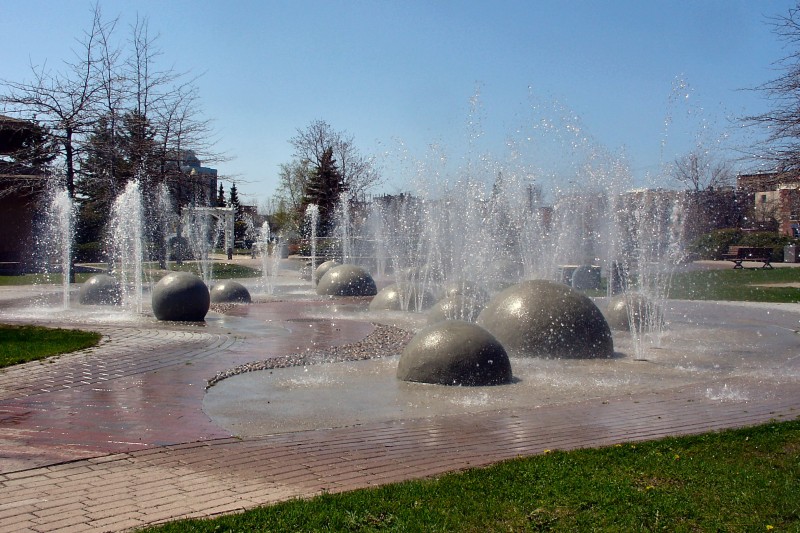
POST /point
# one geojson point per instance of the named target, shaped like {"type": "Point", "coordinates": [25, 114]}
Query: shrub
{"type": "Point", "coordinates": [89, 252]}
{"type": "Point", "coordinates": [763, 239]}
{"type": "Point", "coordinates": [713, 245]}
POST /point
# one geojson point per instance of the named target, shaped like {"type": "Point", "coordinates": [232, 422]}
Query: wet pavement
{"type": "Point", "coordinates": [117, 436]}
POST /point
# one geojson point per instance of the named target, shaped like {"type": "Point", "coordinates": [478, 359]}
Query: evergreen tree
{"type": "Point", "coordinates": [233, 201]}
{"type": "Point", "coordinates": [221, 196]}
{"type": "Point", "coordinates": [33, 152]}
{"type": "Point", "coordinates": [239, 225]}
{"type": "Point", "coordinates": [324, 188]}
{"type": "Point", "coordinates": [102, 176]}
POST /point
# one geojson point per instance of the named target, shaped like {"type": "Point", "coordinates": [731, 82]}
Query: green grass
{"type": "Point", "coordinates": [730, 284]}
{"type": "Point", "coordinates": [20, 344]}
{"type": "Point", "coordinates": [220, 270]}
{"type": "Point", "coordinates": [742, 480]}
{"type": "Point", "coordinates": [36, 279]}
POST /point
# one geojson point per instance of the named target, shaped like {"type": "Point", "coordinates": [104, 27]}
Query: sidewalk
{"type": "Point", "coordinates": [125, 490]}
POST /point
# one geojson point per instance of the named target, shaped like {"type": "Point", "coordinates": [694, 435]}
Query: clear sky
{"type": "Point", "coordinates": [403, 73]}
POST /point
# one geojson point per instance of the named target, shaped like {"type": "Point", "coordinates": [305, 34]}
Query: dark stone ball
{"type": "Point", "coordinates": [586, 277]}
{"type": "Point", "coordinates": [398, 296]}
{"type": "Point", "coordinates": [101, 289]}
{"type": "Point", "coordinates": [456, 307]}
{"type": "Point", "coordinates": [323, 268]}
{"type": "Point", "coordinates": [230, 292]}
{"type": "Point", "coordinates": [454, 353]}
{"type": "Point", "coordinates": [181, 296]}
{"type": "Point", "coordinates": [635, 306]}
{"type": "Point", "coordinates": [347, 280]}
{"type": "Point", "coordinates": [547, 319]}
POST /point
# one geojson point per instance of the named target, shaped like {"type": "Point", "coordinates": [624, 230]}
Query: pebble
{"type": "Point", "coordinates": [384, 341]}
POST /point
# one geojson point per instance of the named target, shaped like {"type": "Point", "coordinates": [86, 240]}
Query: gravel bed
{"type": "Point", "coordinates": [382, 342]}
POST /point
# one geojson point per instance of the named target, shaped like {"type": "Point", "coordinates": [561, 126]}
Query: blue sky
{"type": "Point", "coordinates": [392, 72]}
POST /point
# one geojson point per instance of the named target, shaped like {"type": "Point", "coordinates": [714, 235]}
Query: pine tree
{"type": "Point", "coordinates": [221, 197]}
{"type": "Point", "coordinates": [233, 201]}
{"type": "Point", "coordinates": [324, 189]}
{"type": "Point", "coordinates": [239, 226]}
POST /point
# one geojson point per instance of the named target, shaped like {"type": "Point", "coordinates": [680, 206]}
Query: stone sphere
{"type": "Point", "coordinates": [454, 353]}
{"type": "Point", "coordinates": [633, 306]}
{"type": "Point", "coordinates": [101, 289]}
{"type": "Point", "coordinates": [230, 292]}
{"type": "Point", "coordinates": [324, 267]}
{"type": "Point", "coordinates": [347, 280]}
{"type": "Point", "coordinates": [586, 277]}
{"type": "Point", "coordinates": [547, 319]}
{"type": "Point", "coordinates": [398, 295]}
{"type": "Point", "coordinates": [180, 296]}
{"type": "Point", "coordinates": [456, 307]}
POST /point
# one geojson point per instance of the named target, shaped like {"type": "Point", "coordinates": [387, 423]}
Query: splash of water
{"type": "Point", "coordinates": [266, 273]}
{"type": "Point", "coordinates": [58, 239]}
{"type": "Point", "coordinates": [344, 227]}
{"type": "Point", "coordinates": [203, 232]}
{"type": "Point", "coordinates": [312, 219]}
{"type": "Point", "coordinates": [126, 235]}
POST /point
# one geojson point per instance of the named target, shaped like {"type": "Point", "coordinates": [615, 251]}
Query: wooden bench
{"type": "Point", "coordinates": [738, 254]}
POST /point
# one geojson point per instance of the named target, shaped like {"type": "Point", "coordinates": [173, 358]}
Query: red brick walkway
{"type": "Point", "coordinates": [115, 438]}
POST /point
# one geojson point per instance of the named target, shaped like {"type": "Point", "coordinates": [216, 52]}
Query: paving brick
{"type": "Point", "coordinates": [69, 519]}
{"type": "Point", "coordinates": [62, 510]}
{"type": "Point", "coordinates": [23, 526]}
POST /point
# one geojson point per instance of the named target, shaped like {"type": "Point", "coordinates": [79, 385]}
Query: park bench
{"type": "Point", "coordinates": [738, 254]}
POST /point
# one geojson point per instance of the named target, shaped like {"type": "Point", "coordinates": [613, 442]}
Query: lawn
{"type": "Point", "coordinates": [20, 344]}
{"type": "Point", "coordinates": [738, 480]}
{"type": "Point", "coordinates": [220, 271]}
{"type": "Point", "coordinates": [37, 279]}
{"type": "Point", "coordinates": [739, 285]}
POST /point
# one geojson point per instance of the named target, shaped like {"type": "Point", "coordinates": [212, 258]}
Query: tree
{"type": "Point", "coordinates": [234, 200]}
{"type": "Point", "coordinates": [63, 101]}
{"type": "Point", "coordinates": [324, 188]}
{"type": "Point", "coordinates": [221, 196]}
{"type": "Point", "coordinates": [293, 178]}
{"type": "Point", "coordinates": [312, 144]}
{"type": "Point", "coordinates": [782, 123]}
{"type": "Point", "coordinates": [709, 206]}
{"type": "Point", "coordinates": [239, 224]}
{"type": "Point", "coordinates": [114, 115]}
{"type": "Point", "coordinates": [26, 152]}
{"type": "Point", "coordinates": [699, 171]}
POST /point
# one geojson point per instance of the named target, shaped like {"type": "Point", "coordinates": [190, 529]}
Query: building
{"type": "Point", "coordinates": [192, 183]}
{"type": "Point", "coordinates": [775, 200]}
{"type": "Point", "coordinates": [21, 189]}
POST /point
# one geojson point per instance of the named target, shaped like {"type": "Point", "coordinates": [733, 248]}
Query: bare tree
{"type": "Point", "coordinates": [782, 123]}
{"type": "Point", "coordinates": [62, 101]}
{"type": "Point", "coordinates": [700, 171]}
{"type": "Point", "coordinates": [311, 143]}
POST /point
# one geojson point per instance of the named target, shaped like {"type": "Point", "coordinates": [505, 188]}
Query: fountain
{"type": "Point", "coordinates": [268, 272]}
{"type": "Point", "coordinates": [344, 227]}
{"type": "Point", "coordinates": [55, 240]}
{"type": "Point", "coordinates": [125, 240]}
{"type": "Point", "coordinates": [312, 220]}
{"type": "Point", "coordinates": [490, 227]}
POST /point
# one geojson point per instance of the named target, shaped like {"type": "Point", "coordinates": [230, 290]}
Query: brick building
{"type": "Point", "coordinates": [21, 189]}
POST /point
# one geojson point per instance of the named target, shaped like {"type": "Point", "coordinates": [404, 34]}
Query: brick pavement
{"type": "Point", "coordinates": [115, 438]}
